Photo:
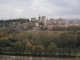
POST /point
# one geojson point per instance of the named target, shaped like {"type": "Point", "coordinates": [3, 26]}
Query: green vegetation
{"type": "Point", "coordinates": [40, 42]}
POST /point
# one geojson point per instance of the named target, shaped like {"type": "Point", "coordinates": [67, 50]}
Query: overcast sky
{"type": "Point", "coordinates": [32, 8]}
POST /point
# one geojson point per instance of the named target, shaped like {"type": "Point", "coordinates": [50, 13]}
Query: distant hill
{"type": "Point", "coordinates": [73, 19]}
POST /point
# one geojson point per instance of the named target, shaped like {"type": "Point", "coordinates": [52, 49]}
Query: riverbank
{"type": "Point", "coordinates": [38, 55]}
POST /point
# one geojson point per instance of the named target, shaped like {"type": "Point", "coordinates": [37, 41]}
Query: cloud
{"type": "Point", "coordinates": [32, 8]}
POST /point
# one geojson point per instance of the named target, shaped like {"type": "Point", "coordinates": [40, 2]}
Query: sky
{"type": "Point", "coordinates": [12, 9]}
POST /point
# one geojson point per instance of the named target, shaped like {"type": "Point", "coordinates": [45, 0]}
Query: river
{"type": "Point", "coordinates": [5, 57]}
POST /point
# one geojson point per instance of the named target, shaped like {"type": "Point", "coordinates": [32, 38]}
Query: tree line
{"type": "Point", "coordinates": [39, 42]}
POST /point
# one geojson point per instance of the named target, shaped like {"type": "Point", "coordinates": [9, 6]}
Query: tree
{"type": "Point", "coordinates": [22, 36]}
{"type": "Point", "coordinates": [4, 42]}
{"type": "Point", "coordinates": [31, 26]}
{"type": "Point", "coordinates": [11, 36]}
{"type": "Point", "coordinates": [45, 41]}
{"type": "Point", "coordinates": [18, 47]}
{"type": "Point", "coordinates": [3, 33]}
{"type": "Point", "coordinates": [33, 49]}
{"type": "Point", "coordinates": [78, 38]}
{"type": "Point", "coordinates": [39, 49]}
{"type": "Point", "coordinates": [12, 30]}
{"type": "Point", "coordinates": [68, 40]}
{"type": "Point", "coordinates": [29, 47]}
{"type": "Point", "coordinates": [0, 50]}
{"type": "Point", "coordinates": [52, 48]}
{"type": "Point", "coordinates": [23, 45]}
{"type": "Point", "coordinates": [71, 40]}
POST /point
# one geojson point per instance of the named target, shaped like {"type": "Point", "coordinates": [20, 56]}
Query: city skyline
{"type": "Point", "coordinates": [11, 9]}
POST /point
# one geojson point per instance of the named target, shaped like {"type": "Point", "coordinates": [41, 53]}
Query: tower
{"type": "Point", "coordinates": [44, 19]}
{"type": "Point", "coordinates": [40, 18]}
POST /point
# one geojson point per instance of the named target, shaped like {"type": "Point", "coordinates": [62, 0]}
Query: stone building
{"type": "Point", "coordinates": [40, 18]}
{"type": "Point", "coordinates": [33, 19]}
{"type": "Point", "coordinates": [44, 20]}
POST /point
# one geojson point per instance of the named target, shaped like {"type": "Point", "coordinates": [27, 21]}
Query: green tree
{"type": "Point", "coordinates": [12, 30]}
{"type": "Point", "coordinates": [3, 34]}
{"type": "Point", "coordinates": [33, 49]}
{"type": "Point", "coordinates": [18, 47]}
{"type": "Point", "coordinates": [52, 48]}
{"type": "Point", "coordinates": [68, 40]}
{"type": "Point", "coordinates": [4, 42]}
{"type": "Point", "coordinates": [23, 45]}
{"type": "Point", "coordinates": [21, 36]}
{"type": "Point", "coordinates": [29, 47]}
{"type": "Point", "coordinates": [63, 39]}
{"type": "Point", "coordinates": [10, 36]}
{"type": "Point", "coordinates": [39, 49]}
{"type": "Point", "coordinates": [0, 49]}
{"type": "Point", "coordinates": [78, 38]}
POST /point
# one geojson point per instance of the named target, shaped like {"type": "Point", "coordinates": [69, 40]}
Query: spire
{"type": "Point", "coordinates": [39, 15]}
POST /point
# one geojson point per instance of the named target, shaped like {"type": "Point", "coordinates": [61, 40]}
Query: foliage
{"type": "Point", "coordinates": [18, 47]}
{"type": "Point", "coordinates": [39, 49]}
{"type": "Point", "coordinates": [29, 47]}
{"type": "Point", "coordinates": [39, 42]}
{"type": "Point", "coordinates": [52, 48]}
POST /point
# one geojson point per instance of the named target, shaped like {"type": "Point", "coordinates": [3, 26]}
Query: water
{"type": "Point", "coordinates": [4, 57]}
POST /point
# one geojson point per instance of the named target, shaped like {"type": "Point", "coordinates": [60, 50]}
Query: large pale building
{"type": "Point", "coordinates": [56, 22]}
{"type": "Point", "coordinates": [40, 18]}
{"type": "Point", "coordinates": [44, 19]}
{"type": "Point", "coordinates": [61, 22]}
